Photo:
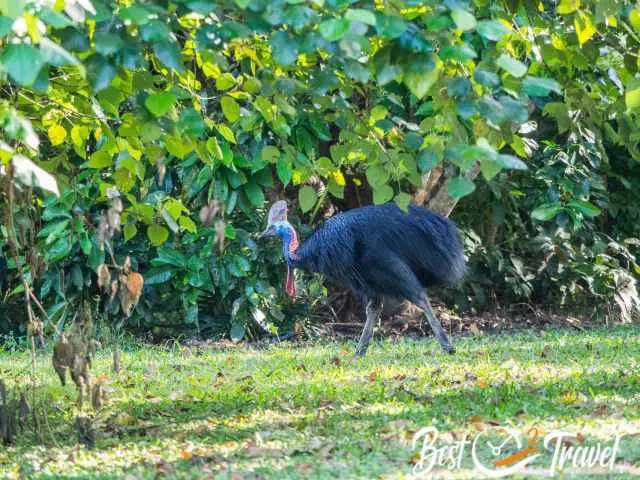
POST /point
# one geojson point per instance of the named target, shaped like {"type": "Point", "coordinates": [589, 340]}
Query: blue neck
{"type": "Point", "coordinates": [289, 243]}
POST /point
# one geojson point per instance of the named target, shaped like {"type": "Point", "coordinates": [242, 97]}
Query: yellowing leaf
{"type": "Point", "coordinates": [566, 7]}
{"type": "Point", "coordinates": [584, 28]}
{"type": "Point", "coordinates": [230, 108]}
{"type": "Point", "coordinates": [632, 94]}
{"type": "Point", "coordinates": [157, 234]}
{"type": "Point", "coordinates": [188, 224]}
{"type": "Point", "coordinates": [57, 134]}
{"type": "Point", "coordinates": [226, 132]}
{"type": "Point", "coordinates": [634, 18]}
{"type": "Point", "coordinates": [339, 178]}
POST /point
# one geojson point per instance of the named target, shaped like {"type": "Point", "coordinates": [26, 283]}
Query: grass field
{"type": "Point", "coordinates": [312, 411]}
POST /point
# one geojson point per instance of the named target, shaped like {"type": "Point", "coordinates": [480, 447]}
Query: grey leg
{"type": "Point", "coordinates": [373, 313]}
{"type": "Point", "coordinates": [436, 326]}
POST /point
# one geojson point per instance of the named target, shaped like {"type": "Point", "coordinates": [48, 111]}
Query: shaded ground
{"type": "Point", "coordinates": [311, 411]}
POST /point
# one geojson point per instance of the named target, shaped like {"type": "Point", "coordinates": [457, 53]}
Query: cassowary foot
{"type": "Point", "coordinates": [450, 349]}
{"type": "Point", "coordinates": [360, 354]}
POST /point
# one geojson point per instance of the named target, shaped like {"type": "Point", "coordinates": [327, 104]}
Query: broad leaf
{"type": "Point", "coordinates": [307, 198]}
{"type": "Point", "coordinates": [159, 104]}
{"type": "Point", "coordinates": [22, 62]}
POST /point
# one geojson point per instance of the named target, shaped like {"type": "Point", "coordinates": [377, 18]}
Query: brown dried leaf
{"type": "Point", "coordinates": [104, 276]}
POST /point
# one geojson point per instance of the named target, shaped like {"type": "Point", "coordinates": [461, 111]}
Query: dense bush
{"type": "Point", "coordinates": [194, 115]}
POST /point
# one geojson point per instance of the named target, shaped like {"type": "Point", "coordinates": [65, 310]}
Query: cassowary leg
{"type": "Point", "coordinates": [373, 311]}
{"type": "Point", "coordinates": [436, 326]}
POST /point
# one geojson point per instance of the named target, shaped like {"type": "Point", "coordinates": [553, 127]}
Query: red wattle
{"type": "Point", "coordinates": [290, 286]}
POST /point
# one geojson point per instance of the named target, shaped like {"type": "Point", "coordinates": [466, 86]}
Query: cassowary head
{"type": "Point", "coordinates": [278, 225]}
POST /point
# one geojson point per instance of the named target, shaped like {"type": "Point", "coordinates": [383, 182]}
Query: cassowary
{"type": "Point", "coordinates": [377, 251]}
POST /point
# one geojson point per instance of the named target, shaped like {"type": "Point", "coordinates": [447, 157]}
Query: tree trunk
{"type": "Point", "coordinates": [442, 202]}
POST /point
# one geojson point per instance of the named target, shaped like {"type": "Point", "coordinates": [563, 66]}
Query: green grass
{"type": "Point", "coordinates": [312, 411]}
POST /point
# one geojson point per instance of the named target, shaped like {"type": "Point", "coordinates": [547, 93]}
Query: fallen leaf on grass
{"type": "Point", "coordinates": [481, 424]}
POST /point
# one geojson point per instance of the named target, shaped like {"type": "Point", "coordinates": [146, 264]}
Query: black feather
{"type": "Point", "coordinates": [382, 251]}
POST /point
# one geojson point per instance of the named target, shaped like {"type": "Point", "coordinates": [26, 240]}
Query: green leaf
{"type": "Point", "coordinates": [237, 329]}
{"type": "Point", "coordinates": [5, 26]}
{"type": "Point", "coordinates": [100, 159]}
{"type": "Point", "coordinates": [464, 20]}
{"type": "Point", "coordinates": [130, 231]}
{"type": "Point", "coordinates": [22, 62]}
{"type": "Point", "coordinates": [382, 194]}
{"type": "Point", "coordinates": [632, 94]}
{"type": "Point", "coordinates": [225, 82]}
{"type": "Point", "coordinates": [284, 171]}
{"type": "Point", "coordinates": [157, 234]}
{"type": "Point", "coordinates": [169, 54]}
{"type": "Point", "coordinates": [334, 29]}
{"type": "Point", "coordinates": [546, 211]}
{"type": "Point", "coordinates": [489, 169]}
{"type": "Point", "coordinates": [486, 78]}
{"type": "Point", "coordinates": [254, 193]}
{"type": "Point", "coordinates": [269, 153]}
{"type": "Point", "coordinates": [377, 176]}
{"type": "Point", "coordinates": [160, 103]}
{"type": "Point", "coordinates": [214, 148]}
{"type": "Point", "coordinates": [155, 31]}
{"type": "Point", "coordinates": [492, 29]}
{"type": "Point", "coordinates": [419, 83]}
{"type": "Point", "coordinates": [156, 276]}
{"type": "Point", "coordinates": [460, 53]}
{"type": "Point", "coordinates": [107, 43]}
{"type": "Point", "coordinates": [360, 15]}
{"type": "Point", "coordinates": [284, 47]}
{"type": "Point", "coordinates": [307, 198]}
{"type": "Point", "coordinates": [59, 250]}
{"type": "Point", "coordinates": [588, 209]}
{"type": "Point", "coordinates": [230, 108]}
{"type": "Point", "coordinates": [559, 112]}
{"type": "Point", "coordinates": [511, 162]}
{"type": "Point", "coordinates": [540, 87]}
{"type": "Point", "coordinates": [427, 159]}
{"type": "Point", "coordinates": [100, 72]}
{"type": "Point", "coordinates": [169, 256]}
{"type": "Point", "coordinates": [460, 186]}
{"type": "Point", "coordinates": [403, 200]}
{"type": "Point", "coordinates": [511, 65]}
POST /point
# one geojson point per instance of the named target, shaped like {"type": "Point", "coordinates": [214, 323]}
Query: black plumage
{"type": "Point", "coordinates": [377, 252]}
